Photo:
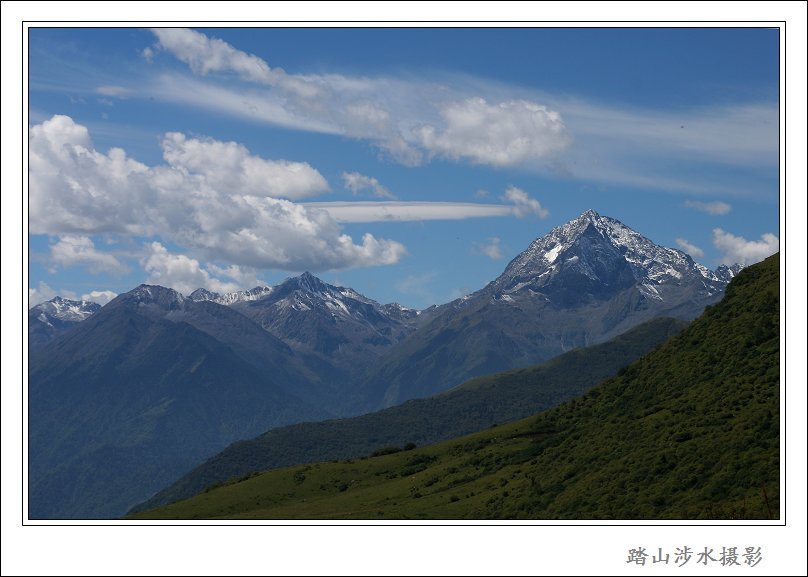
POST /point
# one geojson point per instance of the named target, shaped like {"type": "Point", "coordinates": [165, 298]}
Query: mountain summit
{"type": "Point", "coordinates": [338, 325]}
{"type": "Point", "coordinates": [596, 257]}
{"type": "Point", "coordinates": [582, 283]}
{"type": "Point", "coordinates": [48, 320]}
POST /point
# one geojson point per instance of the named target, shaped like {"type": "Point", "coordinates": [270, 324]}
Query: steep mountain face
{"type": "Point", "coordinates": [582, 283]}
{"type": "Point", "coordinates": [473, 406]}
{"type": "Point", "coordinates": [145, 388]}
{"type": "Point", "coordinates": [50, 319]}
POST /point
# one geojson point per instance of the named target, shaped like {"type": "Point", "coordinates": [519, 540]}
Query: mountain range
{"type": "Point", "coordinates": [583, 283]}
{"type": "Point", "coordinates": [472, 406]}
{"type": "Point", "coordinates": [689, 431]}
{"type": "Point", "coordinates": [151, 384]}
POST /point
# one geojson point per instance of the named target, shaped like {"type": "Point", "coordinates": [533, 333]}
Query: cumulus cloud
{"type": "Point", "coordinates": [78, 250]}
{"type": "Point", "coordinates": [75, 189]}
{"type": "Point", "coordinates": [228, 167]}
{"type": "Point", "coordinates": [716, 207]}
{"type": "Point", "coordinates": [523, 204]}
{"type": "Point", "coordinates": [501, 134]}
{"type": "Point", "coordinates": [213, 198]}
{"type": "Point", "coordinates": [180, 272]}
{"type": "Point", "coordinates": [43, 292]}
{"type": "Point", "coordinates": [689, 248]}
{"type": "Point", "coordinates": [736, 249]}
{"type": "Point", "coordinates": [492, 249]}
{"type": "Point", "coordinates": [244, 276]}
{"type": "Point", "coordinates": [356, 183]}
{"type": "Point", "coordinates": [100, 297]}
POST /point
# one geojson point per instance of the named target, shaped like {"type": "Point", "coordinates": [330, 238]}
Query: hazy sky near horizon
{"type": "Point", "coordinates": [408, 163]}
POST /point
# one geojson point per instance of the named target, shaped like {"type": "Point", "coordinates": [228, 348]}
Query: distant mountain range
{"type": "Point", "coordinates": [152, 383]}
{"type": "Point", "coordinates": [689, 431]}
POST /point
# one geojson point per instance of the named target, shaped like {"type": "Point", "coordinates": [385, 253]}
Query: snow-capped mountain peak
{"type": "Point", "coordinates": [66, 309]}
{"type": "Point", "coordinates": [306, 292]}
{"type": "Point", "coordinates": [727, 273]}
{"type": "Point", "coordinates": [50, 319]}
{"type": "Point", "coordinates": [595, 254]}
{"type": "Point", "coordinates": [202, 294]}
{"type": "Point", "coordinates": [230, 298]}
{"type": "Point", "coordinates": [152, 295]}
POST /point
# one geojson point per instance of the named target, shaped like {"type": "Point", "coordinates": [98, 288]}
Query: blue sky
{"type": "Point", "coordinates": [409, 164]}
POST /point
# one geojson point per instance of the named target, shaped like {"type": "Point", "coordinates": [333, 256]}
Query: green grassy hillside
{"type": "Point", "coordinates": [471, 407]}
{"type": "Point", "coordinates": [690, 431]}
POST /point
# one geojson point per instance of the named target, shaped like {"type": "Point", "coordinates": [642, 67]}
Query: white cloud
{"type": "Point", "coordinates": [204, 55]}
{"type": "Point", "coordinates": [180, 272]}
{"type": "Point", "coordinates": [492, 249]}
{"type": "Point", "coordinates": [228, 167]}
{"type": "Point", "coordinates": [248, 104]}
{"type": "Point", "coordinates": [74, 250]}
{"type": "Point", "coordinates": [192, 201]}
{"type": "Point", "coordinates": [473, 120]}
{"type": "Point", "coordinates": [42, 293]}
{"type": "Point", "coordinates": [523, 204]}
{"type": "Point", "coordinates": [100, 297]}
{"type": "Point", "coordinates": [716, 207]}
{"type": "Point", "coordinates": [356, 182]}
{"type": "Point", "coordinates": [369, 115]}
{"type": "Point", "coordinates": [508, 133]}
{"type": "Point", "coordinates": [689, 248]}
{"type": "Point", "coordinates": [244, 276]}
{"type": "Point", "coordinates": [737, 249]}
{"type": "Point", "coordinates": [392, 211]}
{"type": "Point", "coordinates": [76, 189]}
{"type": "Point", "coordinates": [410, 120]}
